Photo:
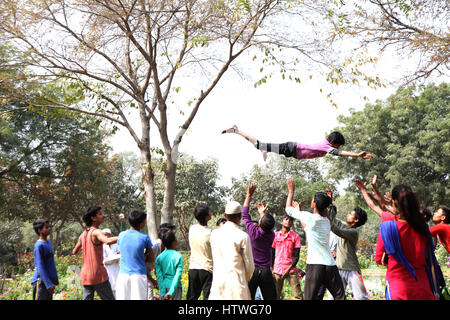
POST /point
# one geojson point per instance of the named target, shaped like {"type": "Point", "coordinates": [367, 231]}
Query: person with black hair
{"type": "Point", "coordinates": [220, 222]}
{"type": "Point", "coordinates": [404, 245]}
{"type": "Point", "coordinates": [299, 151]}
{"type": "Point", "coordinates": [200, 262]}
{"type": "Point", "coordinates": [166, 226]}
{"type": "Point", "coordinates": [157, 248]}
{"type": "Point", "coordinates": [45, 276]}
{"type": "Point", "coordinates": [427, 214]}
{"type": "Point", "coordinates": [169, 268]}
{"type": "Point", "coordinates": [134, 246]}
{"type": "Point", "coordinates": [261, 238]}
{"type": "Point", "coordinates": [321, 267]}
{"type": "Point", "coordinates": [346, 258]}
{"type": "Point", "coordinates": [94, 277]}
{"type": "Point", "coordinates": [441, 229]}
{"type": "Point", "coordinates": [285, 255]}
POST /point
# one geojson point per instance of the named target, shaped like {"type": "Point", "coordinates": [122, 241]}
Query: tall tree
{"type": "Point", "coordinates": [59, 181]}
{"type": "Point", "coordinates": [416, 31]}
{"type": "Point", "coordinates": [134, 55]}
{"type": "Point", "coordinates": [51, 161]}
{"type": "Point", "coordinates": [408, 134]}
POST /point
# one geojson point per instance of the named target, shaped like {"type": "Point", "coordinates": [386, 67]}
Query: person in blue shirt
{"type": "Point", "coordinates": [45, 277]}
{"type": "Point", "coordinates": [134, 247]}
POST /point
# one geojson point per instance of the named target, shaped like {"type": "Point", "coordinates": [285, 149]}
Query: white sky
{"type": "Point", "coordinates": [278, 111]}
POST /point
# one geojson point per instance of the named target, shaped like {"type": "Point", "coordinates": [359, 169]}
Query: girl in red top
{"type": "Point", "coordinates": [413, 233]}
{"type": "Point", "coordinates": [403, 283]}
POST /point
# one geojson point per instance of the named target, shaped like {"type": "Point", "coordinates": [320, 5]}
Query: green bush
{"type": "Point", "coordinates": [20, 288]}
{"type": "Point", "coordinates": [442, 256]}
{"type": "Point", "coordinates": [69, 287]}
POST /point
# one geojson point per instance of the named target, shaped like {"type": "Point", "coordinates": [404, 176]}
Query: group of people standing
{"type": "Point", "coordinates": [228, 263]}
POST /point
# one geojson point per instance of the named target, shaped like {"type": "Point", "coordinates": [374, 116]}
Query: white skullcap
{"type": "Point", "coordinates": [233, 207]}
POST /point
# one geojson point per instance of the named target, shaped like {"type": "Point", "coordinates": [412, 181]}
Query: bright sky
{"type": "Point", "coordinates": [278, 111]}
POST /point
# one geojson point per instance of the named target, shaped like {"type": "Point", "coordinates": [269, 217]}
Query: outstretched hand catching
{"type": "Point", "coordinates": [388, 197]}
{"type": "Point", "coordinates": [374, 180]}
{"type": "Point", "coordinates": [291, 184]}
{"type": "Point", "coordinates": [297, 205]}
{"type": "Point", "coordinates": [365, 155]}
{"type": "Point", "coordinates": [261, 208]}
{"type": "Point", "coordinates": [251, 188]}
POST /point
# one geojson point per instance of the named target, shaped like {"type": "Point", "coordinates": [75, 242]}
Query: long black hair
{"type": "Point", "coordinates": [409, 206]}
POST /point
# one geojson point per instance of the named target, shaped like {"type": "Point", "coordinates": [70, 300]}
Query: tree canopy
{"type": "Point", "coordinates": [408, 134]}
{"type": "Point", "coordinates": [133, 57]}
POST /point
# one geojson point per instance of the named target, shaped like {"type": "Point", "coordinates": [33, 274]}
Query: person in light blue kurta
{"type": "Point", "coordinates": [169, 267]}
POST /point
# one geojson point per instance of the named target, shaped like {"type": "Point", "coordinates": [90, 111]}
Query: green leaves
{"type": "Point", "coordinates": [408, 134]}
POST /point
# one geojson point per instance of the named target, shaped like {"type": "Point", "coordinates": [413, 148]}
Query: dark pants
{"type": "Point", "coordinates": [327, 277]}
{"type": "Point", "coordinates": [288, 149]}
{"type": "Point", "coordinates": [103, 290]}
{"type": "Point", "coordinates": [199, 280]}
{"type": "Point", "coordinates": [40, 292]}
{"type": "Point", "coordinates": [262, 278]}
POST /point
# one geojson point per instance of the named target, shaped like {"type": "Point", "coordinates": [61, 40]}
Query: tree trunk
{"type": "Point", "coordinates": [150, 197]}
{"type": "Point", "coordinates": [169, 191]}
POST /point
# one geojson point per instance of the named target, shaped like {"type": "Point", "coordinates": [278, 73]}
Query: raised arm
{"type": "Point", "coordinates": [250, 190]}
{"type": "Point", "coordinates": [381, 201]}
{"type": "Point", "coordinates": [367, 197]}
{"type": "Point", "coordinates": [293, 207]}
{"type": "Point", "coordinates": [362, 154]}
{"type": "Point", "coordinates": [291, 189]}
{"type": "Point", "coordinates": [251, 227]}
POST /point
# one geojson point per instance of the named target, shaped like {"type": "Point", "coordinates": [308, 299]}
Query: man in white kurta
{"type": "Point", "coordinates": [111, 257]}
{"type": "Point", "coordinates": [232, 258]}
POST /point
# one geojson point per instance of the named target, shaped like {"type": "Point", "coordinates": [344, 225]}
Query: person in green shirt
{"type": "Point", "coordinates": [168, 268]}
{"type": "Point", "coordinates": [346, 259]}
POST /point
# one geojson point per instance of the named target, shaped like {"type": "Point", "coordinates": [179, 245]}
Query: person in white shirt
{"type": "Point", "coordinates": [321, 267]}
{"type": "Point", "coordinates": [111, 257]}
{"type": "Point", "coordinates": [200, 262]}
{"type": "Point", "coordinates": [232, 258]}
